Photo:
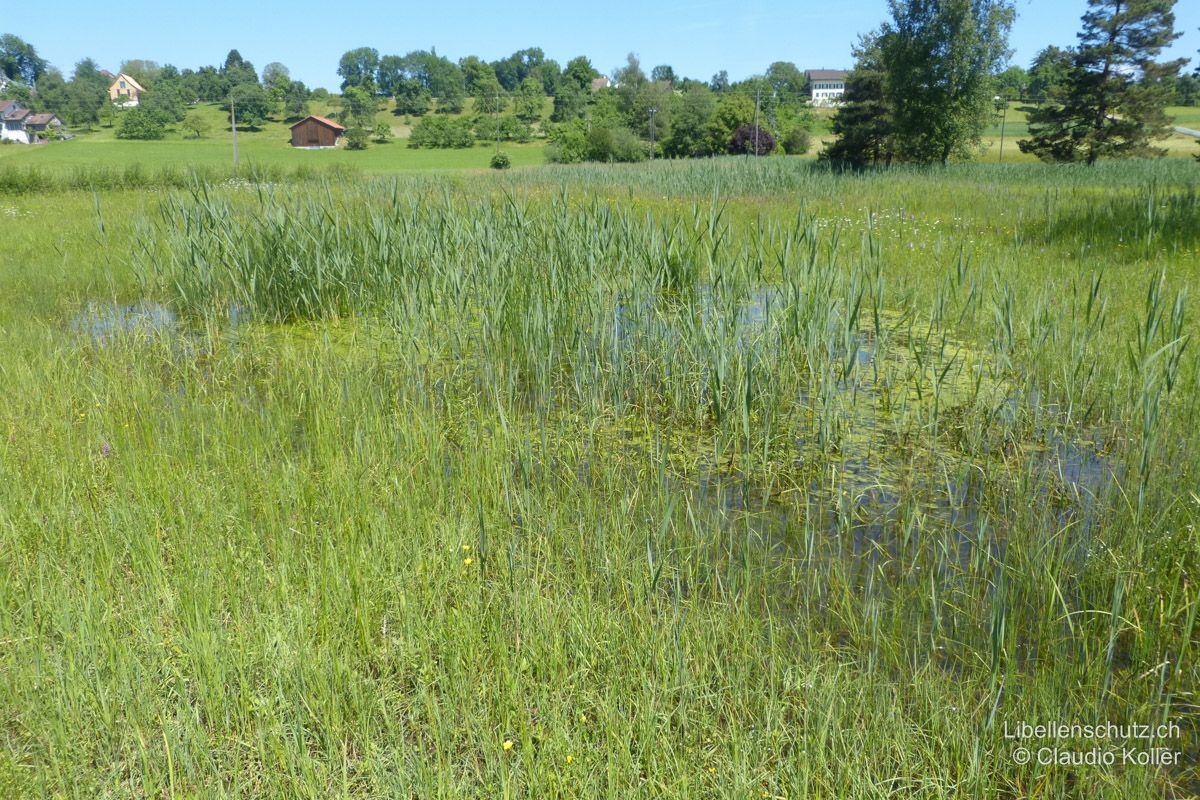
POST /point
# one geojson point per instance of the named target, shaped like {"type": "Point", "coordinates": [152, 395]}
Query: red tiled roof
{"type": "Point", "coordinates": [323, 121]}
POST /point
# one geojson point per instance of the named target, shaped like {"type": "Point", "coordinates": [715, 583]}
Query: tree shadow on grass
{"type": "Point", "coordinates": [1126, 227]}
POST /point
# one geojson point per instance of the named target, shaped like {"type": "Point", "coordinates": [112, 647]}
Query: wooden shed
{"type": "Point", "coordinates": [316, 131]}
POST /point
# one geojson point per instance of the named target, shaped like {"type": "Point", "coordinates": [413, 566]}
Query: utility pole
{"type": "Point", "coordinates": [757, 100]}
{"type": "Point", "coordinates": [496, 109]}
{"type": "Point", "coordinates": [233, 124]}
{"type": "Point", "coordinates": [653, 110]}
{"type": "Point", "coordinates": [1003, 120]}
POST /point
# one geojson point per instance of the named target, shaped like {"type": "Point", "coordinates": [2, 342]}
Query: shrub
{"type": "Point", "coordinates": [797, 141]}
{"type": "Point", "coordinates": [442, 132]}
{"type": "Point", "coordinates": [141, 123]}
{"type": "Point", "coordinates": [356, 138]}
{"type": "Point", "coordinates": [572, 143]}
{"type": "Point", "coordinates": [753, 140]}
{"type": "Point", "coordinates": [514, 130]}
{"type": "Point", "coordinates": [383, 132]}
{"type": "Point", "coordinates": [615, 143]}
{"type": "Point", "coordinates": [500, 160]}
{"type": "Point", "coordinates": [568, 144]}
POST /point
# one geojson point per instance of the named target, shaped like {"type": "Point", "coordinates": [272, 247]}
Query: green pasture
{"type": "Point", "coordinates": [269, 147]}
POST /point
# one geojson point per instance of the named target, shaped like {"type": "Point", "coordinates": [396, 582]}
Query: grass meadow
{"type": "Point", "coordinates": [709, 479]}
{"type": "Point", "coordinates": [268, 147]}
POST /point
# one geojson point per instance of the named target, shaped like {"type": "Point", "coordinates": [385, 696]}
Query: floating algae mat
{"type": "Point", "coordinates": [872, 442]}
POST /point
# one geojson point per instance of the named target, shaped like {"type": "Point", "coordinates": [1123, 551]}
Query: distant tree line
{"type": "Point", "coordinates": [638, 116]}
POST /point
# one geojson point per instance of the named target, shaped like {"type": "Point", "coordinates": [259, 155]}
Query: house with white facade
{"type": "Point", "coordinates": [12, 122]}
{"type": "Point", "coordinates": [19, 124]}
{"type": "Point", "coordinates": [826, 85]}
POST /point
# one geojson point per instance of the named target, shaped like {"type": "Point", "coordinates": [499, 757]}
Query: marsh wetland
{"type": "Point", "coordinates": [724, 479]}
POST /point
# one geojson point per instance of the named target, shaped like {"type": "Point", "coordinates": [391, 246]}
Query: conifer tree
{"type": "Point", "coordinates": [1112, 103]}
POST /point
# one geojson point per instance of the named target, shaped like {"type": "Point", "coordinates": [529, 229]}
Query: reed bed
{"type": "Point", "coordinates": [710, 480]}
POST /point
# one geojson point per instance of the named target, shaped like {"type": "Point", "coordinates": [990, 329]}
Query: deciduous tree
{"type": "Point", "coordinates": [250, 104]}
{"type": "Point", "coordinates": [689, 127]}
{"type": "Point", "coordinates": [357, 67]}
{"type": "Point", "coordinates": [19, 60]}
{"type": "Point", "coordinates": [528, 102]}
{"type": "Point", "coordinates": [939, 57]}
{"type": "Point", "coordinates": [1048, 73]}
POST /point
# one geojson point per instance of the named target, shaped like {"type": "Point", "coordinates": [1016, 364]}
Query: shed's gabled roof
{"type": "Point", "coordinates": [40, 119]}
{"type": "Point", "coordinates": [328, 122]}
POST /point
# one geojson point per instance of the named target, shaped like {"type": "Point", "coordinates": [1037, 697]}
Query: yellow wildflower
{"type": "Point", "coordinates": [508, 744]}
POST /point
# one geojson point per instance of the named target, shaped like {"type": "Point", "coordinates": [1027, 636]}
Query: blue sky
{"type": "Point", "coordinates": [697, 38]}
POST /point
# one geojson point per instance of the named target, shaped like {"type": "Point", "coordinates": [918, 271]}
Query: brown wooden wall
{"type": "Point", "coordinates": [310, 133]}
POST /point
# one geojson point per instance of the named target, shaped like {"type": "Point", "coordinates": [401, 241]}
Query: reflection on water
{"type": "Point", "coordinates": [102, 321]}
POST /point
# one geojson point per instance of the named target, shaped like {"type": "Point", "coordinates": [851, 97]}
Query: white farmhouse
{"type": "Point", "coordinates": [827, 85]}
{"type": "Point", "coordinates": [12, 122]}
{"type": "Point", "coordinates": [19, 124]}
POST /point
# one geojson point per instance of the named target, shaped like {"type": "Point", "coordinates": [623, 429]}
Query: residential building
{"type": "Point", "coordinates": [125, 90]}
{"type": "Point", "coordinates": [41, 127]}
{"type": "Point", "coordinates": [19, 124]}
{"type": "Point", "coordinates": [12, 122]}
{"type": "Point", "coordinates": [826, 85]}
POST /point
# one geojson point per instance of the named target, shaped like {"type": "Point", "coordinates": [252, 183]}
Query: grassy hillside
{"type": "Point", "coordinates": [268, 146]}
